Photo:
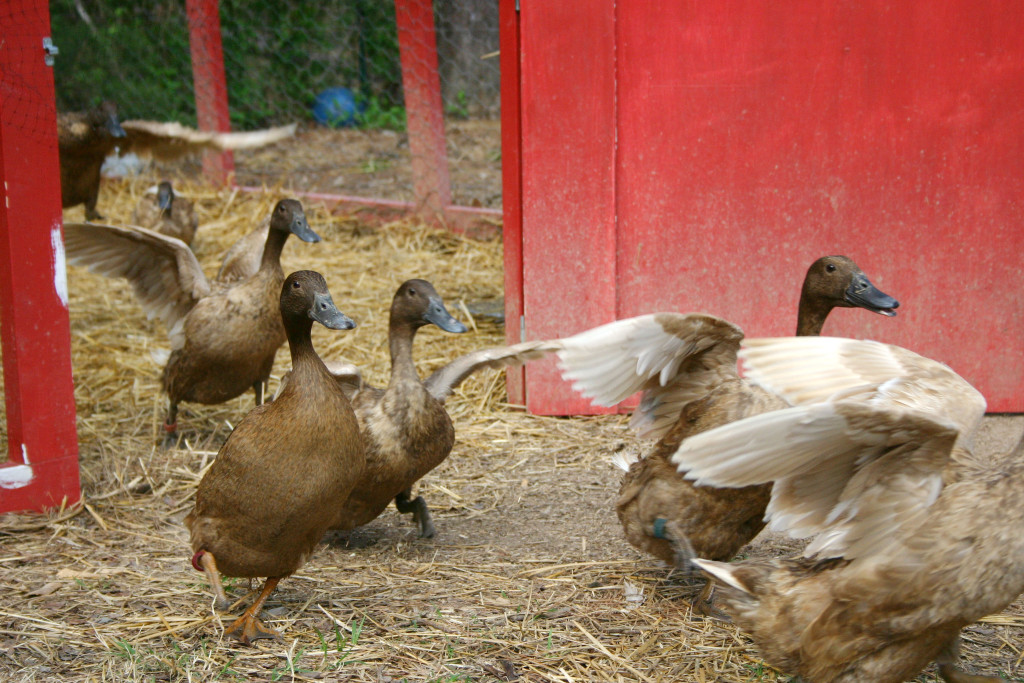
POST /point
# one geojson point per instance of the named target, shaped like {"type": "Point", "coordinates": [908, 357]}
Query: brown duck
{"type": "Point", "coordinates": [686, 367]}
{"type": "Point", "coordinates": [224, 337]}
{"type": "Point", "coordinates": [162, 210]}
{"type": "Point", "coordinates": [914, 537]}
{"type": "Point", "coordinates": [272, 492]}
{"type": "Point", "coordinates": [405, 428]}
{"type": "Point", "coordinates": [85, 139]}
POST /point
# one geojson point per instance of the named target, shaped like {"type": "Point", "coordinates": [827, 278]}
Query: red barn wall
{"type": "Point", "coordinates": [695, 156]}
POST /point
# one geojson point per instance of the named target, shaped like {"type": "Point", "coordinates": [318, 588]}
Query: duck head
{"type": "Point", "coordinates": [417, 303]}
{"type": "Point", "coordinates": [305, 297]}
{"type": "Point", "coordinates": [164, 195]}
{"type": "Point", "coordinates": [104, 118]}
{"type": "Point", "coordinates": [288, 216]}
{"type": "Point", "coordinates": [839, 282]}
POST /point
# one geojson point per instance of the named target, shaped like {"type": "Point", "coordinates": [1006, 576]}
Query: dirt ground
{"type": "Point", "coordinates": [376, 163]}
{"type": "Point", "coordinates": [528, 579]}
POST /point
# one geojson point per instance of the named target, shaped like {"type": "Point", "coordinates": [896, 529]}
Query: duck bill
{"type": "Point", "coordinates": [164, 197]}
{"type": "Point", "coordinates": [300, 228]}
{"type": "Point", "coordinates": [113, 127]}
{"type": "Point", "coordinates": [327, 314]}
{"type": "Point", "coordinates": [440, 316]}
{"type": "Point", "coordinates": [862, 294]}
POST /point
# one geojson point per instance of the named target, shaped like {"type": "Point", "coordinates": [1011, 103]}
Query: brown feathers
{"type": "Point", "coordinates": [686, 367]}
{"type": "Point", "coordinates": [271, 494]}
{"type": "Point", "coordinates": [224, 337]}
{"type": "Point", "coordinates": [405, 427]}
{"type": "Point", "coordinates": [915, 537]}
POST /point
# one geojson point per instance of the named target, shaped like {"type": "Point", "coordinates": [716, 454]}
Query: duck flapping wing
{"type": "Point", "coordinates": [163, 271]}
{"type": "Point", "coordinates": [171, 140]}
{"type": "Point", "coordinates": [443, 381]}
{"type": "Point", "coordinates": [672, 358]}
{"type": "Point", "coordinates": [854, 469]}
{"type": "Point", "coordinates": [808, 370]}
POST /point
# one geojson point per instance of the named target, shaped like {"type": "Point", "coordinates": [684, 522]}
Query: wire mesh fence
{"type": "Point", "coordinates": [334, 67]}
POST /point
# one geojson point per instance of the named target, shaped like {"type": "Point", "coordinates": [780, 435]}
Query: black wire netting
{"type": "Point", "coordinates": [333, 65]}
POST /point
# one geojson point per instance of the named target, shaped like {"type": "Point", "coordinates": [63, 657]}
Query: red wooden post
{"type": "Point", "coordinates": [209, 83]}
{"type": "Point", "coordinates": [424, 116]}
{"type": "Point", "coordinates": [42, 445]}
{"type": "Point", "coordinates": [511, 189]}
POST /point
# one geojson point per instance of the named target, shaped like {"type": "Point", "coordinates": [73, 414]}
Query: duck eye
{"type": "Point", "coordinates": [831, 267]}
{"type": "Point", "coordinates": [296, 285]}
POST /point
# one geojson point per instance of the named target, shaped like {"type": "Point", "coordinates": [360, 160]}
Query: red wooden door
{"type": "Point", "coordinates": [41, 442]}
{"type": "Point", "coordinates": [698, 156]}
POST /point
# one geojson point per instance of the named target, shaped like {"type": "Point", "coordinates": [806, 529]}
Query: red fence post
{"type": "Point", "coordinates": [34, 326]}
{"type": "Point", "coordinates": [423, 112]}
{"type": "Point", "coordinates": [209, 83]}
{"type": "Point", "coordinates": [511, 189]}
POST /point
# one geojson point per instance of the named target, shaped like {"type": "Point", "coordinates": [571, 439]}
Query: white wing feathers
{"type": "Point", "coordinates": [673, 358]}
{"type": "Point", "coordinates": [171, 140]}
{"type": "Point", "coordinates": [808, 370]}
{"type": "Point", "coordinates": [443, 381]}
{"type": "Point", "coordinates": [851, 471]}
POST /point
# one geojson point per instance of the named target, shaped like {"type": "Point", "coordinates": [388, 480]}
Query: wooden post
{"type": "Point", "coordinates": [209, 83]}
{"type": "Point", "coordinates": [511, 189]}
{"type": "Point", "coordinates": [42, 445]}
{"type": "Point", "coordinates": [423, 111]}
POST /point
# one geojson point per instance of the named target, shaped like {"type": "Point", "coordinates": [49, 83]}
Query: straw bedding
{"type": "Point", "coordinates": [528, 578]}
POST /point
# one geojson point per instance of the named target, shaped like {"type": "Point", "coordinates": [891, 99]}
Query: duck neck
{"type": "Point", "coordinates": [811, 316]}
{"type": "Point", "coordinates": [400, 343]}
{"type": "Point", "coordinates": [300, 343]}
{"type": "Point", "coordinates": [272, 249]}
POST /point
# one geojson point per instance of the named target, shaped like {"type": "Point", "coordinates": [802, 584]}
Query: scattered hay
{"type": "Point", "coordinates": [528, 580]}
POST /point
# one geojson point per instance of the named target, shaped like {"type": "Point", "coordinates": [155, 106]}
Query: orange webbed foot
{"type": "Point", "coordinates": [248, 628]}
{"type": "Point", "coordinates": [952, 674]}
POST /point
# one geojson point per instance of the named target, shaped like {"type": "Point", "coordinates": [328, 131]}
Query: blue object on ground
{"type": "Point", "coordinates": [336, 107]}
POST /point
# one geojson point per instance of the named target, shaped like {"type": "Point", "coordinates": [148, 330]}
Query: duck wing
{"type": "Point", "coordinates": [163, 271]}
{"type": "Point", "coordinates": [349, 377]}
{"type": "Point", "coordinates": [673, 358]}
{"type": "Point", "coordinates": [853, 469]}
{"type": "Point", "coordinates": [171, 140]}
{"type": "Point", "coordinates": [807, 370]}
{"type": "Point", "coordinates": [443, 381]}
{"type": "Point", "coordinates": [242, 260]}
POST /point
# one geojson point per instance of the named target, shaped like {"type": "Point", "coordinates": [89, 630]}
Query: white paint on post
{"type": "Point", "coordinates": [60, 269]}
{"type": "Point", "coordinates": [16, 476]}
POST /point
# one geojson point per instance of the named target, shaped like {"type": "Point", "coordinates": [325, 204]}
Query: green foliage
{"type": "Point", "coordinates": [133, 53]}
{"type": "Point", "coordinates": [277, 56]}
{"type": "Point", "coordinates": [458, 109]}
{"type": "Point", "coordinates": [376, 114]}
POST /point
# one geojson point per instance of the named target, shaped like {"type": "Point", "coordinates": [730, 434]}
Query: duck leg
{"type": "Point", "coordinates": [171, 424]}
{"type": "Point", "coordinates": [684, 555]}
{"type": "Point", "coordinates": [91, 214]}
{"type": "Point", "coordinates": [258, 388]}
{"type": "Point", "coordinates": [208, 564]}
{"type": "Point", "coordinates": [420, 514]}
{"type": "Point", "coordinates": [248, 627]}
{"type": "Point", "coordinates": [947, 661]}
